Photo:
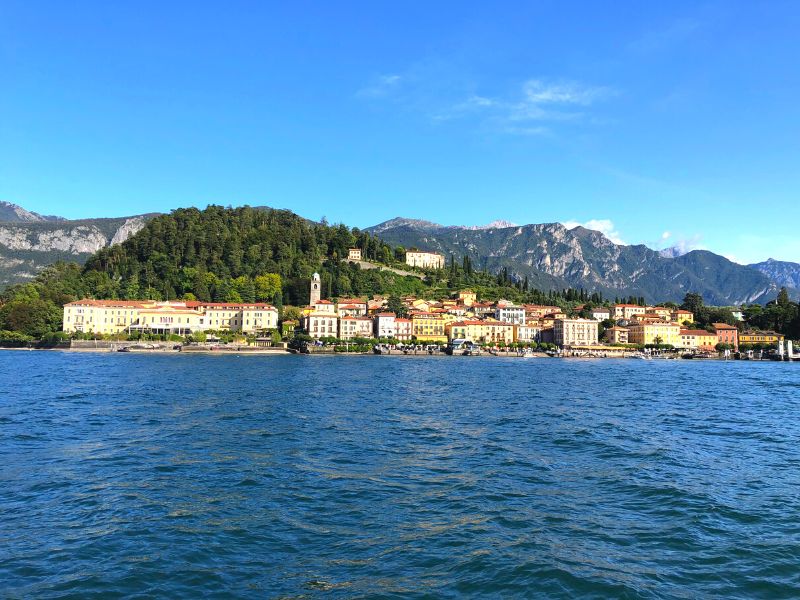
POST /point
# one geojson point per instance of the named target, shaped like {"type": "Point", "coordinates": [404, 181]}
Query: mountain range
{"type": "Point", "coordinates": [550, 255]}
{"type": "Point", "coordinates": [30, 241]}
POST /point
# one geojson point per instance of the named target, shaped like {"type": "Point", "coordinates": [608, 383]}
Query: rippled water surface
{"type": "Point", "coordinates": [354, 477]}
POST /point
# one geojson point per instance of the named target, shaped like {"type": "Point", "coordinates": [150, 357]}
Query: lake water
{"type": "Point", "coordinates": [365, 477]}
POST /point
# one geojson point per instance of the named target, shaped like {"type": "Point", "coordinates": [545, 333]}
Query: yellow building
{"type": "Point", "coordinates": [166, 318]}
{"type": "Point", "coordinates": [760, 337]}
{"type": "Point", "coordinates": [682, 316]}
{"type": "Point", "coordinates": [467, 297]}
{"type": "Point", "coordinates": [111, 317]}
{"type": "Point", "coordinates": [499, 331]}
{"type": "Point", "coordinates": [429, 326]}
{"type": "Point", "coordinates": [466, 330]}
{"type": "Point", "coordinates": [649, 333]}
{"type": "Point", "coordinates": [698, 339]}
{"type": "Point", "coordinates": [106, 317]}
{"type": "Point", "coordinates": [484, 332]}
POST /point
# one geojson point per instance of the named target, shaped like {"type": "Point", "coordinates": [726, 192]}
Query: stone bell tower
{"type": "Point", "coordinates": [316, 289]}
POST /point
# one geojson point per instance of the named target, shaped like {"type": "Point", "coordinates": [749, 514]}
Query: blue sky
{"type": "Point", "coordinates": [659, 123]}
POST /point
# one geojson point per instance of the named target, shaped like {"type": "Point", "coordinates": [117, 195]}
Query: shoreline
{"type": "Point", "coordinates": [286, 352]}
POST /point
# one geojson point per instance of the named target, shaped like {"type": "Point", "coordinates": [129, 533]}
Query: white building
{"type": "Point", "coordinates": [508, 313]}
{"type": "Point", "coordinates": [321, 324]}
{"type": "Point", "coordinates": [528, 333]}
{"type": "Point", "coordinates": [575, 332]}
{"type": "Point", "coordinates": [385, 325]}
{"type": "Point", "coordinates": [352, 327]}
{"type": "Point", "coordinates": [425, 260]}
{"type": "Point", "coordinates": [601, 314]}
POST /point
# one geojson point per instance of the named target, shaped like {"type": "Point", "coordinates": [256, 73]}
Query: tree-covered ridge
{"type": "Point", "coordinates": [220, 254]}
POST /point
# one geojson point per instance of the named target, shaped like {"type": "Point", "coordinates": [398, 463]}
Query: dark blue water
{"type": "Point", "coordinates": [360, 477]}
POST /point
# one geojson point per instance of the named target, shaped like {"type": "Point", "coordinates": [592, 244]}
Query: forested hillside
{"type": "Point", "coordinates": [242, 254]}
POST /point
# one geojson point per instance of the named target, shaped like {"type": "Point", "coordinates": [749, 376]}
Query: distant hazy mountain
{"type": "Point", "coordinates": [29, 242]}
{"type": "Point", "coordinates": [783, 273]}
{"type": "Point", "coordinates": [552, 256]}
{"type": "Point", "coordinates": [13, 213]}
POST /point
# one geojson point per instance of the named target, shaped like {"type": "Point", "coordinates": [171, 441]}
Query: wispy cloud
{"type": "Point", "coordinates": [678, 246]}
{"type": "Point", "coordinates": [540, 101]}
{"type": "Point", "coordinates": [604, 226]}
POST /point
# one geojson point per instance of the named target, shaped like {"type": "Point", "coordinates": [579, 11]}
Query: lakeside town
{"type": "Point", "coordinates": [461, 322]}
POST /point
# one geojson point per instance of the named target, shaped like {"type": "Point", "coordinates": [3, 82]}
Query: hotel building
{"type": "Point", "coordinates": [425, 260]}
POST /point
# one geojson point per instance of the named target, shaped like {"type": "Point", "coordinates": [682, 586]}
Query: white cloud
{"type": "Point", "coordinates": [428, 90]}
{"type": "Point", "coordinates": [666, 235]}
{"type": "Point", "coordinates": [538, 92]}
{"type": "Point", "coordinates": [604, 226]}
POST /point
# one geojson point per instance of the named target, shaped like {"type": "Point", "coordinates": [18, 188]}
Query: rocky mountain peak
{"type": "Point", "coordinates": [13, 213]}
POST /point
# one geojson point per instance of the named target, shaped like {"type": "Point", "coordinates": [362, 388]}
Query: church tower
{"type": "Point", "coordinates": [316, 289]}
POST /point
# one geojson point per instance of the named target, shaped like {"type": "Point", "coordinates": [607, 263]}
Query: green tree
{"type": "Point", "coordinates": [35, 317]}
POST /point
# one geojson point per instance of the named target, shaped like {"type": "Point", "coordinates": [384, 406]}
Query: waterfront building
{"type": "Point", "coordinates": [759, 337]}
{"type": "Point", "coordinates": [627, 311]}
{"type": "Point", "coordinates": [384, 326]}
{"type": "Point", "coordinates": [403, 329]}
{"type": "Point", "coordinates": [425, 260]}
{"type": "Point", "coordinates": [259, 319]}
{"type": "Point", "coordinates": [222, 316]}
{"type": "Point", "coordinates": [315, 291]}
{"type": "Point", "coordinates": [110, 317]}
{"type": "Point", "coordinates": [617, 335]}
{"type": "Point", "coordinates": [651, 333]}
{"type": "Point", "coordinates": [353, 327]}
{"type": "Point", "coordinates": [471, 330]}
{"type": "Point", "coordinates": [498, 331]}
{"type": "Point", "coordinates": [575, 332]}
{"type": "Point", "coordinates": [321, 324]}
{"type": "Point", "coordinates": [429, 326]}
{"type": "Point", "coordinates": [727, 334]}
{"type": "Point", "coordinates": [527, 334]}
{"type": "Point", "coordinates": [288, 327]}
{"type": "Point", "coordinates": [601, 314]}
{"type": "Point", "coordinates": [508, 313]}
{"type": "Point", "coordinates": [698, 339]}
{"type": "Point", "coordinates": [102, 316]}
{"type": "Point", "coordinates": [354, 254]}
